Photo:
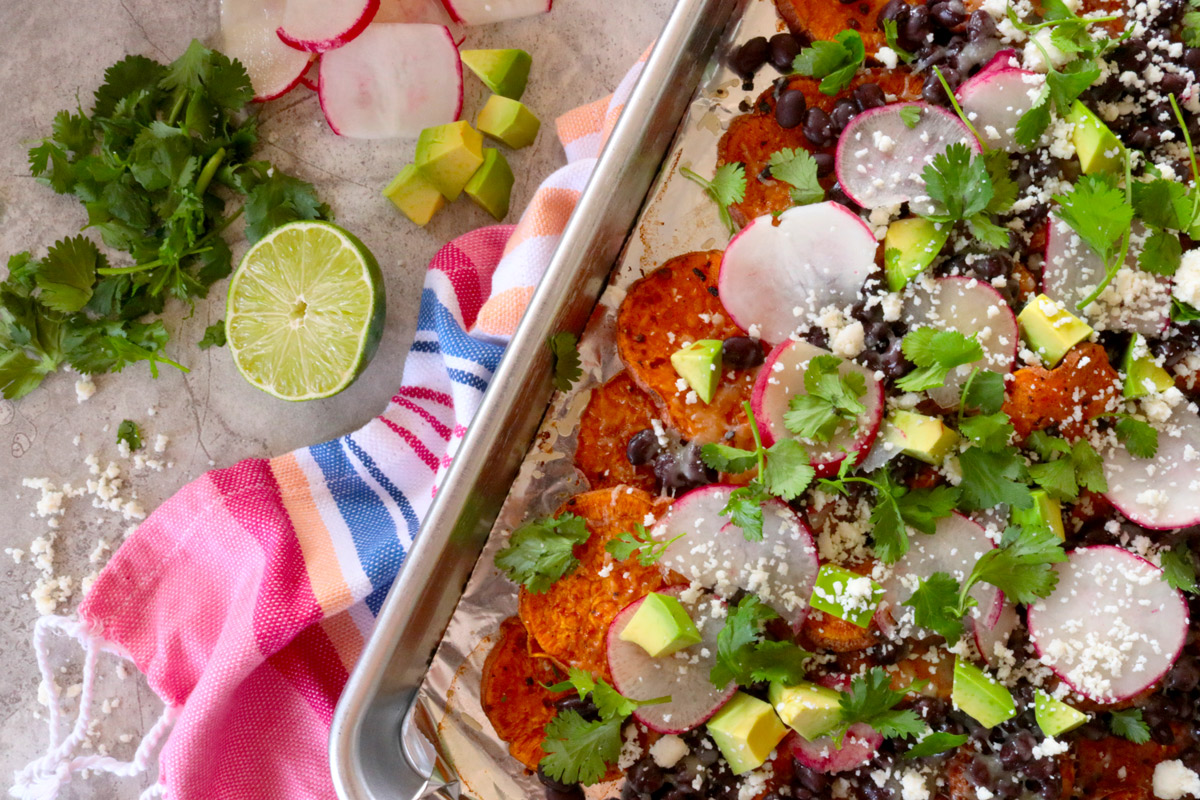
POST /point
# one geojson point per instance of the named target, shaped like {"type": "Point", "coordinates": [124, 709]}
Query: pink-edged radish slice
{"type": "Point", "coordinates": [428, 12]}
{"type": "Point", "coordinates": [859, 745]}
{"type": "Point", "coordinates": [485, 12]}
{"type": "Point", "coordinates": [778, 272]}
{"type": "Point", "coordinates": [683, 675]}
{"type": "Point", "coordinates": [782, 378]}
{"type": "Point", "coordinates": [311, 75]}
{"type": "Point", "coordinates": [1135, 301]}
{"type": "Point", "coordinates": [956, 544]}
{"type": "Point", "coordinates": [315, 26]}
{"type": "Point", "coordinates": [879, 158]}
{"type": "Point", "coordinates": [987, 637]}
{"type": "Point", "coordinates": [1160, 492]}
{"type": "Point", "coordinates": [393, 80]}
{"type": "Point", "coordinates": [1112, 627]}
{"type": "Point", "coordinates": [994, 101]}
{"type": "Point", "coordinates": [971, 308]}
{"type": "Point", "coordinates": [781, 568]}
{"type": "Point", "coordinates": [248, 34]}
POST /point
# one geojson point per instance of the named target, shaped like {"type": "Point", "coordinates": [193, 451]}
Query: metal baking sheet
{"type": "Point", "coordinates": [408, 726]}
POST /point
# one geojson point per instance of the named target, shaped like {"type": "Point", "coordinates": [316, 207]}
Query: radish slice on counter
{"type": "Point", "coordinates": [1159, 492]}
{"type": "Point", "coordinates": [996, 98]}
{"type": "Point", "coordinates": [428, 12]}
{"type": "Point", "coordinates": [781, 569]}
{"type": "Point", "coordinates": [971, 308]}
{"type": "Point", "coordinates": [484, 12]}
{"type": "Point", "coordinates": [782, 378]}
{"type": "Point", "coordinates": [319, 25]}
{"type": "Point", "coordinates": [998, 633]}
{"type": "Point", "coordinates": [859, 746]}
{"type": "Point", "coordinates": [1112, 627]}
{"type": "Point", "coordinates": [248, 34]}
{"type": "Point", "coordinates": [879, 158]}
{"type": "Point", "coordinates": [393, 80]}
{"type": "Point", "coordinates": [778, 271]}
{"type": "Point", "coordinates": [682, 675]}
{"type": "Point", "coordinates": [1135, 301]}
{"type": "Point", "coordinates": [955, 546]}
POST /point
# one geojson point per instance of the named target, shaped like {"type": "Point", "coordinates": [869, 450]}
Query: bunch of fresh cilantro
{"type": "Point", "coordinates": [163, 152]}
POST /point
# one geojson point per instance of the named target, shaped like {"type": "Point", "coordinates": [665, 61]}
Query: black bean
{"type": "Point", "coordinates": [1144, 137]}
{"type": "Point", "coordinates": [1192, 59]}
{"type": "Point", "coordinates": [843, 111]}
{"type": "Point", "coordinates": [1162, 734]}
{"type": "Point", "coordinates": [876, 335]}
{"type": "Point", "coordinates": [838, 195]}
{"type": "Point", "coordinates": [583, 706]}
{"type": "Point", "coordinates": [810, 779]}
{"type": "Point", "coordinates": [896, 11]}
{"type": "Point", "coordinates": [981, 26]}
{"type": "Point", "coordinates": [749, 57]}
{"type": "Point", "coordinates": [1172, 83]}
{"type": "Point", "coordinates": [784, 49]}
{"type": "Point", "coordinates": [679, 793]}
{"type": "Point", "coordinates": [1017, 750]}
{"type": "Point", "coordinates": [642, 448]}
{"type": "Point", "coordinates": [790, 108]}
{"type": "Point", "coordinates": [1183, 677]}
{"type": "Point", "coordinates": [570, 793]}
{"type": "Point", "coordinates": [934, 93]}
{"type": "Point", "coordinates": [869, 95]}
{"type": "Point", "coordinates": [825, 163]}
{"type": "Point", "coordinates": [916, 28]}
{"type": "Point", "coordinates": [818, 128]}
{"type": "Point", "coordinates": [949, 14]}
{"type": "Point", "coordinates": [630, 793]}
{"type": "Point", "coordinates": [645, 776]}
{"type": "Point", "coordinates": [741, 352]}
{"type": "Point", "coordinates": [565, 789]}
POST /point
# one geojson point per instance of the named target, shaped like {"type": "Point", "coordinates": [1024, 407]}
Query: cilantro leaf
{"type": "Point", "coordinates": [1162, 204]}
{"type": "Point", "coordinates": [1066, 468]}
{"type": "Point", "coordinates": [936, 352]}
{"type": "Point", "coordinates": [935, 606]}
{"type": "Point", "coordinates": [1179, 568]}
{"type": "Point", "coordinates": [214, 336]}
{"type": "Point", "coordinates": [578, 751]}
{"type": "Point", "coordinates": [991, 432]}
{"type": "Point", "coordinates": [277, 198]}
{"type": "Point", "coordinates": [788, 472]}
{"type": "Point", "coordinates": [1004, 188]}
{"type": "Point", "coordinates": [909, 115]}
{"type": "Point", "coordinates": [984, 390]}
{"type": "Point", "coordinates": [567, 367]}
{"type": "Point", "coordinates": [891, 32]}
{"type": "Point", "coordinates": [744, 657]}
{"type": "Point", "coordinates": [1020, 566]}
{"type": "Point", "coordinates": [889, 537]}
{"type": "Point", "coordinates": [19, 374]}
{"type": "Point", "coordinates": [831, 398]}
{"type": "Point", "coordinates": [610, 703]}
{"type": "Point", "coordinates": [871, 700]}
{"type": "Point", "coordinates": [67, 274]}
{"type": "Point", "coordinates": [1161, 254]}
{"type": "Point", "coordinates": [1128, 724]}
{"type": "Point", "coordinates": [541, 551]}
{"type": "Point", "coordinates": [744, 509]}
{"type": "Point", "coordinates": [725, 458]}
{"type": "Point", "coordinates": [1190, 31]}
{"type": "Point", "coordinates": [958, 183]}
{"type": "Point", "coordinates": [777, 661]}
{"type": "Point", "coordinates": [897, 507]}
{"type": "Point", "coordinates": [649, 549]}
{"type": "Point", "coordinates": [129, 433]}
{"type": "Point", "coordinates": [799, 169]}
{"type": "Point", "coordinates": [1034, 122]}
{"type": "Point", "coordinates": [727, 187]}
{"type": "Point", "coordinates": [833, 62]}
{"type": "Point", "coordinates": [1096, 210]}
{"type": "Point", "coordinates": [991, 478]}
{"type": "Point", "coordinates": [1139, 437]}
{"type": "Point", "coordinates": [936, 742]}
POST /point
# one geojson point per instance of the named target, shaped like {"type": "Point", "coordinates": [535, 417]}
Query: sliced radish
{"type": "Point", "coordinates": [1135, 301]}
{"type": "Point", "coordinates": [429, 12]}
{"type": "Point", "coordinates": [779, 271]}
{"type": "Point", "coordinates": [319, 25]}
{"type": "Point", "coordinates": [996, 98]}
{"type": "Point", "coordinates": [1112, 627]}
{"type": "Point", "coordinates": [859, 745]}
{"type": "Point", "coordinates": [248, 34]}
{"type": "Point", "coordinates": [485, 12]}
{"type": "Point", "coordinates": [971, 308]}
{"type": "Point", "coordinates": [955, 546]}
{"type": "Point", "coordinates": [1160, 492]}
{"type": "Point", "coordinates": [879, 158]}
{"type": "Point", "coordinates": [682, 675]}
{"type": "Point", "coordinates": [782, 378]}
{"type": "Point", "coordinates": [781, 569]}
{"type": "Point", "coordinates": [998, 633]}
{"type": "Point", "coordinates": [311, 75]}
{"type": "Point", "coordinates": [393, 80]}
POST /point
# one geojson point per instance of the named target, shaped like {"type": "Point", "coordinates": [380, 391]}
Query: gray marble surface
{"type": "Point", "coordinates": [56, 50]}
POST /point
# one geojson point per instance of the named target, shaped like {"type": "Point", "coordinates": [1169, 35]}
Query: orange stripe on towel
{"type": "Point", "coordinates": [547, 215]}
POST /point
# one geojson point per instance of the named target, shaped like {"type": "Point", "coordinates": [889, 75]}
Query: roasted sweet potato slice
{"type": "Point", "coordinates": [615, 412]}
{"type": "Point", "coordinates": [1070, 396]}
{"type": "Point", "coordinates": [823, 19]}
{"type": "Point", "coordinates": [960, 786]}
{"type": "Point", "coordinates": [675, 304]}
{"type": "Point", "coordinates": [571, 620]}
{"type": "Point", "coordinates": [826, 632]}
{"type": "Point", "coordinates": [1113, 767]}
{"type": "Point", "coordinates": [513, 696]}
{"type": "Point", "coordinates": [917, 665]}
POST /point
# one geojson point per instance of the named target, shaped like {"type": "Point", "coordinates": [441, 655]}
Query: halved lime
{"type": "Point", "coordinates": [305, 311]}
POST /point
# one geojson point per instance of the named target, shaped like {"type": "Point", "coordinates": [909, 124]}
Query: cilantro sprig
{"type": "Point", "coordinates": [1179, 568]}
{"type": "Point", "coordinates": [831, 400]}
{"type": "Point", "coordinates": [936, 352]}
{"type": "Point", "coordinates": [1139, 437]}
{"type": "Point", "coordinates": [962, 189]}
{"type": "Point", "coordinates": [214, 336]}
{"type": "Point", "coordinates": [648, 549]}
{"type": "Point", "coordinates": [744, 656]}
{"type": "Point", "coordinates": [541, 551]}
{"type": "Point", "coordinates": [1100, 213]}
{"type": "Point", "coordinates": [130, 433]}
{"type": "Point", "coordinates": [728, 186]}
{"type": "Point", "coordinates": [936, 742]}
{"type": "Point", "coordinates": [797, 168]}
{"type": "Point", "coordinates": [608, 701]}
{"type": "Point", "coordinates": [872, 700]}
{"type": "Point", "coordinates": [1128, 724]}
{"type": "Point", "coordinates": [564, 347]}
{"type": "Point", "coordinates": [1066, 468]}
{"type": "Point", "coordinates": [833, 62]}
{"type": "Point", "coordinates": [891, 33]}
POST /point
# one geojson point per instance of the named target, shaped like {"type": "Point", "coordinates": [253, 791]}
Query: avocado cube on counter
{"type": "Point", "coordinates": [416, 197]}
{"type": "Point", "coordinates": [448, 155]}
{"type": "Point", "coordinates": [1055, 717]}
{"type": "Point", "coordinates": [746, 730]}
{"type": "Point", "coordinates": [1044, 514]}
{"type": "Point", "coordinates": [661, 626]}
{"type": "Point", "coordinates": [700, 365]}
{"type": "Point", "coordinates": [491, 185]}
{"type": "Point", "coordinates": [910, 246]}
{"type": "Point", "coordinates": [980, 696]}
{"type": "Point", "coordinates": [1050, 329]}
{"type": "Point", "coordinates": [1142, 375]}
{"type": "Point", "coordinates": [846, 595]}
{"type": "Point", "coordinates": [1098, 148]}
{"type": "Point", "coordinates": [807, 708]}
{"type": "Point", "coordinates": [922, 437]}
{"type": "Point", "coordinates": [508, 121]}
{"type": "Point", "coordinates": [505, 72]}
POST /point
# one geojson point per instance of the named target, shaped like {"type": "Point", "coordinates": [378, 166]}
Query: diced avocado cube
{"type": "Point", "coordinates": [416, 197]}
{"type": "Point", "coordinates": [978, 694]}
{"type": "Point", "coordinates": [700, 365]}
{"type": "Point", "coordinates": [505, 72]}
{"type": "Point", "coordinates": [807, 708]}
{"type": "Point", "coordinates": [920, 436]}
{"type": "Point", "coordinates": [661, 626]}
{"type": "Point", "coordinates": [1142, 375]}
{"type": "Point", "coordinates": [1098, 148]}
{"type": "Point", "coordinates": [746, 730]}
{"type": "Point", "coordinates": [846, 595]}
{"type": "Point", "coordinates": [1044, 514]}
{"type": "Point", "coordinates": [491, 185]}
{"type": "Point", "coordinates": [1050, 329]}
{"type": "Point", "coordinates": [1055, 717]}
{"type": "Point", "coordinates": [909, 247]}
{"type": "Point", "coordinates": [508, 121]}
{"type": "Point", "coordinates": [448, 155]}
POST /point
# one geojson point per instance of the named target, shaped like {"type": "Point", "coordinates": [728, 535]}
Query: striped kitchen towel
{"type": "Point", "coordinates": [246, 598]}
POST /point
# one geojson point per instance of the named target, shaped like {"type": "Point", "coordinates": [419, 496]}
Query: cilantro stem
{"type": "Point", "coordinates": [1112, 268]}
{"type": "Point", "coordinates": [1187, 137]}
{"type": "Point", "coordinates": [158, 262]}
{"type": "Point", "coordinates": [958, 109]}
{"type": "Point", "coordinates": [180, 96]}
{"type": "Point", "coordinates": [759, 451]}
{"type": "Point", "coordinates": [210, 169]}
{"type": "Point", "coordinates": [1037, 26]}
{"type": "Point", "coordinates": [962, 403]}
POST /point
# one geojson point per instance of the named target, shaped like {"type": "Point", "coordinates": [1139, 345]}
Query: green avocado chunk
{"type": "Point", "coordinates": [505, 72]}
{"type": "Point", "coordinates": [700, 365]}
{"type": "Point", "coordinates": [1044, 514]}
{"type": "Point", "coordinates": [491, 185]}
{"type": "Point", "coordinates": [910, 246]}
{"type": "Point", "coordinates": [1142, 375]}
{"type": "Point", "coordinates": [661, 626]}
{"type": "Point", "coordinates": [807, 708]}
{"type": "Point", "coordinates": [978, 694]}
{"type": "Point", "coordinates": [1050, 329]}
{"type": "Point", "coordinates": [746, 730]}
{"type": "Point", "coordinates": [846, 595]}
{"type": "Point", "coordinates": [1098, 148]}
{"type": "Point", "coordinates": [922, 437]}
{"type": "Point", "coordinates": [1055, 717]}
{"type": "Point", "coordinates": [508, 121]}
{"type": "Point", "coordinates": [416, 197]}
{"type": "Point", "coordinates": [448, 155]}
